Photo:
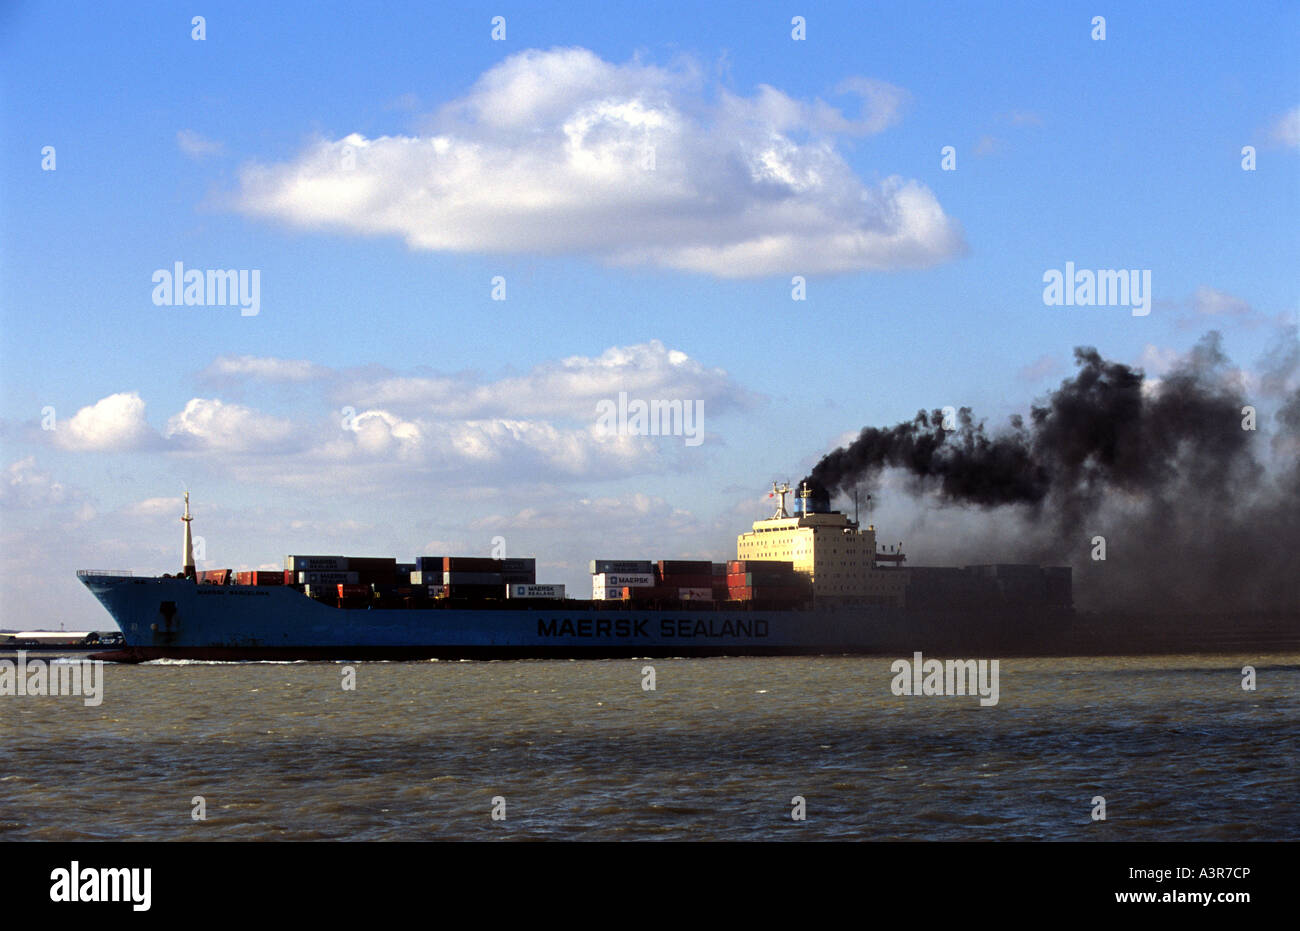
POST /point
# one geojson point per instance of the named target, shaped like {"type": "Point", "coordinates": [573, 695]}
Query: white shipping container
{"type": "Point", "coordinates": [625, 579]}
{"type": "Point", "coordinates": [327, 578]}
{"type": "Point", "coordinates": [521, 590]}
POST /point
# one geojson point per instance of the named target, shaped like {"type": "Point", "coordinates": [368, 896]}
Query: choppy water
{"type": "Point", "coordinates": [580, 751]}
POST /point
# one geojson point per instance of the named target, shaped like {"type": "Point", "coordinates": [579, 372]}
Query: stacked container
{"type": "Point", "coordinates": [685, 579]}
{"type": "Point", "coordinates": [608, 586]}
{"type": "Point", "coordinates": [257, 577]}
{"type": "Point", "coordinates": [765, 580]}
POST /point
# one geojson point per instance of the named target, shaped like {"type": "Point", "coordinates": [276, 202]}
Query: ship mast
{"type": "Point", "coordinates": [188, 556]}
{"type": "Point", "coordinates": [780, 490]}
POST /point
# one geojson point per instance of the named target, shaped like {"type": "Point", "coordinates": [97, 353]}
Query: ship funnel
{"type": "Point", "coordinates": [812, 500]}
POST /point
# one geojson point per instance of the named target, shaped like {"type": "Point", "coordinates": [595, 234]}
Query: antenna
{"type": "Point", "coordinates": [780, 490]}
{"type": "Point", "coordinates": [187, 557]}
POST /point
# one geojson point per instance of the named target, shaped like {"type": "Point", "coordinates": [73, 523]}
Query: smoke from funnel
{"type": "Point", "coordinates": [1163, 469]}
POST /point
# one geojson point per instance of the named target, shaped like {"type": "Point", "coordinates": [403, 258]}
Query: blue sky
{"type": "Point", "coordinates": [774, 158]}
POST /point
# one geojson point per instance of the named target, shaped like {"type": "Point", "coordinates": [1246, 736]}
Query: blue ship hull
{"type": "Point", "coordinates": [175, 618]}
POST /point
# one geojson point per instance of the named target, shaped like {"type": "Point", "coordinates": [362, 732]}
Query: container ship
{"type": "Point", "coordinates": [809, 582]}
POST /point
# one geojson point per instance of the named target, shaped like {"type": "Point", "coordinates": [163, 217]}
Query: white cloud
{"type": "Point", "coordinates": [1286, 129]}
{"type": "Point", "coordinates": [550, 152]}
{"type": "Point", "coordinates": [112, 423]}
{"type": "Point", "coordinates": [568, 388]}
{"type": "Point", "coordinates": [23, 485]}
{"type": "Point", "coordinates": [196, 146]}
{"type": "Point", "coordinates": [1158, 360]}
{"type": "Point", "coordinates": [1211, 302]}
{"type": "Point", "coordinates": [210, 424]}
{"type": "Point", "coordinates": [262, 368]}
{"type": "Point", "coordinates": [154, 507]}
{"type": "Point", "coordinates": [525, 447]}
{"type": "Point", "coordinates": [363, 431]}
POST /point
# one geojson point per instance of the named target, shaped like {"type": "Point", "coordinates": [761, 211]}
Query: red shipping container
{"type": "Point", "coordinates": [353, 591]}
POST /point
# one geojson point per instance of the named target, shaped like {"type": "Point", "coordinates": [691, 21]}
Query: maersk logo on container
{"type": "Point", "coordinates": [651, 418]}
{"type": "Point", "coordinates": [213, 287]}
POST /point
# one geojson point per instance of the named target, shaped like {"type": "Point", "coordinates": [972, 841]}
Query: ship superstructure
{"type": "Point", "coordinates": [837, 555]}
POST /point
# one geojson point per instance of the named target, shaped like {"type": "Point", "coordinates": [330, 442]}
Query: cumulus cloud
{"type": "Point", "coordinates": [210, 424]}
{"type": "Point", "coordinates": [571, 387]}
{"type": "Point", "coordinates": [113, 423]}
{"type": "Point", "coordinates": [363, 429]}
{"type": "Point", "coordinates": [559, 151]}
{"type": "Point", "coordinates": [23, 485]}
{"type": "Point", "coordinates": [526, 447]}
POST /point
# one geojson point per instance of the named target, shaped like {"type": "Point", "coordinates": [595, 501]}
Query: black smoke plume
{"type": "Point", "coordinates": [1162, 469]}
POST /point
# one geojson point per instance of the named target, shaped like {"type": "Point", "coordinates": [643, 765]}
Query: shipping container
{"type": "Point", "coordinates": [475, 592]}
{"type": "Point", "coordinates": [372, 563]}
{"type": "Point", "coordinates": [520, 564]}
{"type": "Point", "coordinates": [428, 563]}
{"type": "Point", "coordinates": [255, 577]}
{"type": "Point", "coordinates": [555, 592]}
{"type": "Point", "coordinates": [686, 580]}
{"type": "Point", "coordinates": [213, 576]}
{"type": "Point", "coordinates": [669, 567]}
{"type": "Point", "coordinates": [695, 594]}
{"type": "Point", "coordinates": [622, 565]}
{"type": "Point", "coordinates": [470, 564]}
{"type": "Point", "coordinates": [624, 579]}
{"type": "Point", "coordinates": [354, 591]}
{"type": "Point", "coordinates": [740, 566]}
{"type": "Point", "coordinates": [472, 578]}
{"type": "Point", "coordinates": [326, 578]}
{"type": "Point", "coordinates": [750, 579]}
{"type": "Point", "coordinates": [316, 563]}
{"type": "Point", "coordinates": [768, 593]}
